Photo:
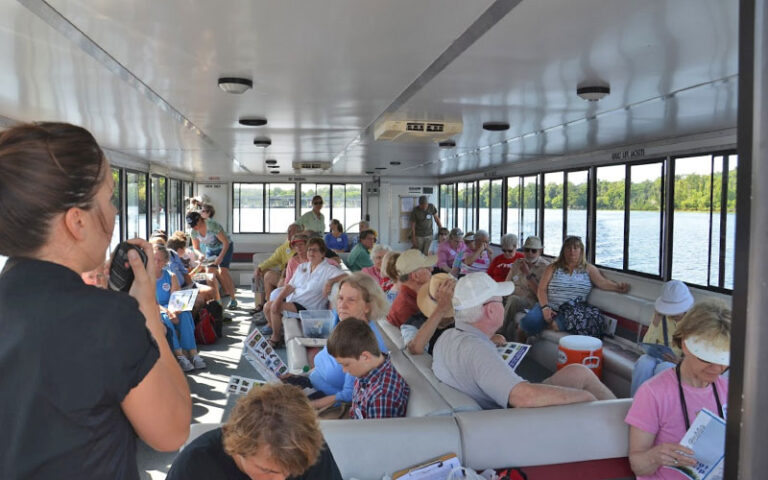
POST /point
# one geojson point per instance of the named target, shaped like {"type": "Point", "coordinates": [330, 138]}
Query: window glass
{"type": "Point", "coordinates": [730, 228]}
{"type": "Point", "coordinates": [514, 193]}
{"type": "Point", "coordinates": [529, 212]}
{"type": "Point", "coordinates": [338, 206]}
{"type": "Point", "coordinates": [116, 201]}
{"type": "Point", "coordinates": [466, 206]}
{"type": "Point", "coordinates": [446, 205]}
{"type": "Point", "coordinates": [136, 203]}
{"type": "Point", "coordinates": [496, 199]}
{"type": "Point", "coordinates": [645, 217]}
{"type": "Point", "coordinates": [187, 192]}
{"type": "Point", "coordinates": [577, 204]}
{"type": "Point", "coordinates": [353, 204]}
{"type": "Point", "coordinates": [248, 208]}
{"type": "Point", "coordinates": [609, 216]}
{"type": "Point", "coordinates": [281, 203]}
{"type": "Point", "coordinates": [175, 206]}
{"type": "Point", "coordinates": [553, 213]}
{"type": "Point", "coordinates": [158, 203]}
{"type": "Point", "coordinates": [484, 205]}
{"type": "Point", "coordinates": [309, 190]}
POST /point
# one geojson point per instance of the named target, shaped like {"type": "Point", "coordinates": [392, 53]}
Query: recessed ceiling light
{"type": "Point", "coordinates": [253, 121]}
{"type": "Point", "coordinates": [593, 93]}
{"type": "Point", "coordinates": [381, 168]}
{"type": "Point", "coordinates": [496, 126]}
{"type": "Point", "coordinates": [273, 166]}
{"type": "Point", "coordinates": [369, 172]}
{"type": "Point", "coordinates": [271, 161]}
{"type": "Point", "coordinates": [394, 163]}
{"type": "Point", "coordinates": [262, 142]}
{"type": "Point", "coordinates": [274, 172]}
{"type": "Point", "coordinates": [447, 144]}
{"type": "Point", "coordinates": [235, 84]}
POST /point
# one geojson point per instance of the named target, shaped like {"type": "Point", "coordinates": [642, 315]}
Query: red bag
{"type": "Point", "coordinates": [204, 332]}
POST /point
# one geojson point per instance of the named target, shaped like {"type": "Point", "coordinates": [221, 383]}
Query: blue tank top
{"type": "Point", "coordinates": [563, 287]}
{"type": "Point", "coordinates": [163, 288]}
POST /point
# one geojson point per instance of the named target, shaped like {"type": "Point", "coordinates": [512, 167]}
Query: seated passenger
{"type": "Point", "coordinates": [336, 239]}
{"type": "Point", "coordinates": [500, 265]}
{"type": "Point", "coordinates": [466, 358]}
{"type": "Point", "coordinates": [525, 274]}
{"type": "Point", "coordinates": [359, 297]}
{"type": "Point", "coordinates": [442, 237]}
{"type": "Point", "coordinates": [665, 406]}
{"type": "Point", "coordinates": [389, 271]}
{"type": "Point", "coordinates": [266, 276]}
{"type": "Point", "coordinates": [176, 248]}
{"type": "Point", "coordinates": [380, 392]}
{"type": "Point", "coordinates": [569, 277]}
{"type": "Point", "coordinates": [271, 433]}
{"type": "Point", "coordinates": [180, 326]}
{"type": "Point", "coordinates": [359, 257]}
{"type": "Point", "coordinates": [674, 301]}
{"type": "Point", "coordinates": [414, 270]}
{"type": "Point", "coordinates": [313, 221]}
{"type": "Point", "coordinates": [435, 298]}
{"type": "Point", "coordinates": [308, 289]}
{"type": "Point", "coordinates": [451, 253]}
{"type": "Point", "coordinates": [375, 270]}
{"type": "Point", "coordinates": [478, 256]}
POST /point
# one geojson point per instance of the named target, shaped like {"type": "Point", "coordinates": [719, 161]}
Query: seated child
{"type": "Point", "coordinates": [380, 392]}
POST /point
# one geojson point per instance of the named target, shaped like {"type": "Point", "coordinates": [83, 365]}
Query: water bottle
{"type": "Point", "coordinates": [458, 259]}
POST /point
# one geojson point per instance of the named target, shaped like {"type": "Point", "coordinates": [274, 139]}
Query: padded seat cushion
{"type": "Point", "coordinates": [424, 400]}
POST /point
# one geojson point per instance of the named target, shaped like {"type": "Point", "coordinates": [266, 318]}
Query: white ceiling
{"type": "Point", "coordinates": [141, 75]}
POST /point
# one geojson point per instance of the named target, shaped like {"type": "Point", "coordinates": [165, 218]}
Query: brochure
{"type": "Point", "coordinates": [657, 350]}
{"type": "Point", "coordinates": [513, 353]}
{"type": "Point", "coordinates": [242, 385]}
{"type": "Point", "coordinates": [182, 300]}
{"type": "Point", "coordinates": [436, 469]}
{"type": "Point", "coordinates": [260, 354]}
{"type": "Point", "coordinates": [706, 438]}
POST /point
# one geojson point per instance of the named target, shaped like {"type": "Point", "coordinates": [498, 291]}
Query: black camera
{"type": "Point", "coordinates": [120, 272]}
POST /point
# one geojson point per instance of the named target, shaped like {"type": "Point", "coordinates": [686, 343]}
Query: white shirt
{"type": "Point", "coordinates": [309, 285]}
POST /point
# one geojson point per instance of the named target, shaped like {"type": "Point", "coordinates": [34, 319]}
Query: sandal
{"type": "Point", "coordinates": [276, 344]}
{"type": "Point", "coordinates": [258, 309]}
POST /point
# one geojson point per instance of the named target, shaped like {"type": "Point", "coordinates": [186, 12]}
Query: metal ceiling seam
{"type": "Point", "coordinates": [487, 20]}
{"type": "Point", "coordinates": [61, 24]}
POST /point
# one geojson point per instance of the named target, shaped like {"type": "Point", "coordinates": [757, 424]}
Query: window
{"type": "Point", "coordinates": [496, 211]}
{"type": "Point", "coordinates": [577, 204]}
{"type": "Point", "coordinates": [117, 202]}
{"type": "Point", "coordinates": [645, 217]}
{"type": "Point", "coordinates": [136, 202]}
{"type": "Point", "coordinates": [700, 245]}
{"type": "Point", "coordinates": [484, 205]}
{"type": "Point", "coordinates": [447, 216]}
{"type": "Point", "coordinates": [514, 193]}
{"type": "Point", "coordinates": [609, 216]}
{"type": "Point", "coordinates": [175, 206]}
{"type": "Point", "coordinates": [309, 190]}
{"type": "Point", "coordinates": [159, 204]}
{"type": "Point", "coordinates": [529, 211]}
{"type": "Point", "coordinates": [465, 193]}
{"type": "Point", "coordinates": [248, 208]}
{"type": "Point", "coordinates": [553, 213]}
{"type": "Point", "coordinates": [347, 204]}
{"type": "Point", "coordinates": [281, 206]}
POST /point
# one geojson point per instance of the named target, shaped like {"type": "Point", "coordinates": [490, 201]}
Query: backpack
{"type": "Point", "coordinates": [204, 331]}
{"type": "Point", "coordinates": [581, 318]}
{"type": "Point", "coordinates": [217, 312]}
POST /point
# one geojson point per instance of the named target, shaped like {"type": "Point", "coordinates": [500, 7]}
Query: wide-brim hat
{"type": "Point", "coordinates": [533, 242]}
{"type": "Point", "coordinates": [713, 351]}
{"type": "Point", "coordinates": [476, 288]}
{"type": "Point", "coordinates": [411, 260]}
{"type": "Point", "coordinates": [675, 298]}
{"type": "Point", "coordinates": [426, 299]}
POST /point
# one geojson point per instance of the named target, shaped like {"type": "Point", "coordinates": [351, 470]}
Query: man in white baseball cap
{"type": "Point", "coordinates": [466, 358]}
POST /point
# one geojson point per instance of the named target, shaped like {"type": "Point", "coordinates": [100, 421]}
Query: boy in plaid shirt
{"type": "Point", "coordinates": [380, 392]}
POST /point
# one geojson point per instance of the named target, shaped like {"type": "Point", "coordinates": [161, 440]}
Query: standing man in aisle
{"type": "Point", "coordinates": [421, 225]}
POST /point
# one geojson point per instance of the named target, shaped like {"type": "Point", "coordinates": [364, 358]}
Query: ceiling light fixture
{"type": "Point", "coordinates": [495, 126]}
{"type": "Point", "coordinates": [394, 163]}
{"type": "Point", "coordinates": [593, 93]}
{"type": "Point", "coordinates": [235, 84]}
{"type": "Point", "coordinates": [274, 172]}
{"type": "Point", "coordinates": [253, 121]}
{"type": "Point", "coordinates": [262, 142]}
{"type": "Point", "coordinates": [447, 144]}
{"type": "Point", "coordinates": [381, 168]}
{"type": "Point", "coordinates": [369, 172]}
{"type": "Point", "coordinates": [271, 161]}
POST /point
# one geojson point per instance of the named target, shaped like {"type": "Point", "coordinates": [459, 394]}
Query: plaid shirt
{"type": "Point", "coordinates": [382, 393]}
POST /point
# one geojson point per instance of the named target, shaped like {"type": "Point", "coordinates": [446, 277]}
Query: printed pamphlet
{"type": "Point", "coordinates": [513, 353]}
{"type": "Point", "coordinates": [260, 354]}
{"type": "Point", "coordinates": [706, 438]}
{"type": "Point", "coordinates": [436, 469]}
{"type": "Point", "coordinates": [182, 300]}
{"type": "Point", "coordinates": [657, 350]}
{"type": "Point", "coordinates": [242, 385]}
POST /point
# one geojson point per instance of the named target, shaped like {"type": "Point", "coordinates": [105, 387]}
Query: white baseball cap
{"type": "Point", "coordinates": [476, 288]}
{"type": "Point", "coordinates": [675, 298]}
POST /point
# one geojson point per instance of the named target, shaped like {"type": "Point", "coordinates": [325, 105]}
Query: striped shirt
{"type": "Point", "coordinates": [382, 393]}
{"type": "Point", "coordinates": [563, 287]}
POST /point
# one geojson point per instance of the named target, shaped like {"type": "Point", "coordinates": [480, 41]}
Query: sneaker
{"type": "Point", "coordinates": [185, 364]}
{"type": "Point", "coordinates": [266, 331]}
{"type": "Point", "coordinates": [198, 362]}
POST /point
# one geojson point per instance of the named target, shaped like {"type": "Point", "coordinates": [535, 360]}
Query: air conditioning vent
{"type": "Point", "coordinates": [311, 165]}
{"type": "Point", "coordinates": [411, 130]}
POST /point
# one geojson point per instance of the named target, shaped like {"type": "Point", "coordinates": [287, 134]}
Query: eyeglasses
{"type": "Point", "coordinates": [313, 249]}
{"type": "Point", "coordinates": [530, 250]}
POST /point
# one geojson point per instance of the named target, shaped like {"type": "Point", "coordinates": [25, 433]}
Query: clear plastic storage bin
{"type": "Point", "coordinates": [316, 323]}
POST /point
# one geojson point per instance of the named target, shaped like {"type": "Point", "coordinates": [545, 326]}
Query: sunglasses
{"type": "Point", "coordinates": [530, 250]}
{"type": "Point", "coordinates": [317, 203]}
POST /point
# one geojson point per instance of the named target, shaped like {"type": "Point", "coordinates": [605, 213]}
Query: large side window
{"type": "Point", "coordinates": [577, 204]}
{"type": "Point", "coordinates": [248, 208]}
{"type": "Point", "coordinates": [514, 196]}
{"type": "Point", "coordinates": [484, 205]}
{"type": "Point", "coordinates": [281, 202]}
{"type": "Point", "coordinates": [447, 206]}
{"type": "Point", "coordinates": [309, 190]}
{"type": "Point", "coordinates": [645, 218]}
{"type": "Point", "coordinates": [159, 204]}
{"type": "Point", "coordinates": [609, 216]}
{"type": "Point", "coordinates": [496, 210]}
{"type": "Point", "coordinates": [553, 213]}
{"type": "Point", "coordinates": [529, 210]}
{"type": "Point", "coordinates": [175, 206]}
{"type": "Point", "coordinates": [466, 206]}
{"type": "Point", "coordinates": [117, 197]}
{"type": "Point", "coordinates": [136, 202]}
{"type": "Point", "coordinates": [348, 203]}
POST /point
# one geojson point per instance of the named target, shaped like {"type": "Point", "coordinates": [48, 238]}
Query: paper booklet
{"type": "Point", "coordinates": [260, 354]}
{"type": "Point", "coordinates": [182, 300]}
{"type": "Point", "coordinates": [657, 350]}
{"type": "Point", "coordinates": [706, 438]}
{"type": "Point", "coordinates": [436, 469]}
{"type": "Point", "coordinates": [242, 385]}
{"type": "Point", "coordinates": [513, 353]}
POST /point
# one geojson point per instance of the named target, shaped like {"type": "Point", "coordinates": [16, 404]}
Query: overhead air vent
{"type": "Point", "coordinates": [311, 165]}
{"type": "Point", "coordinates": [411, 130]}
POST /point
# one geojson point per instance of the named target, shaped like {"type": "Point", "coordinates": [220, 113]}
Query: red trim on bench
{"type": "Point", "coordinates": [242, 257]}
{"type": "Point", "coordinates": [610, 468]}
{"type": "Point", "coordinates": [627, 324]}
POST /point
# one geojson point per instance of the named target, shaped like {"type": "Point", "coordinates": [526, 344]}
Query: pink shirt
{"type": "Point", "coordinates": [446, 254]}
{"type": "Point", "coordinates": [290, 268]}
{"type": "Point", "coordinates": [656, 409]}
{"type": "Point", "coordinates": [384, 282]}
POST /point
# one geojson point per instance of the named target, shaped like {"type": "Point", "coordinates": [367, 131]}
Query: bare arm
{"type": "Point", "coordinates": [225, 245]}
{"type": "Point", "coordinates": [542, 292]}
{"type": "Point", "coordinates": [538, 395]}
{"type": "Point", "coordinates": [444, 296]}
{"type": "Point", "coordinates": [437, 219]}
{"type": "Point", "coordinates": [645, 459]}
{"type": "Point", "coordinates": [324, 402]}
{"type": "Point", "coordinates": [159, 407]}
{"type": "Point", "coordinates": [413, 234]}
{"type": "Point", "coordinates": [329, 284]}
{"type": "Point", "coordinates": [603, 283]}
{"type": "Point", "coordinates": [196, 247]}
